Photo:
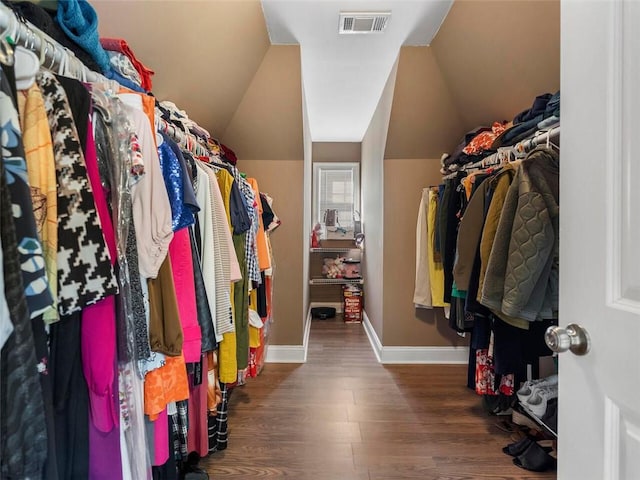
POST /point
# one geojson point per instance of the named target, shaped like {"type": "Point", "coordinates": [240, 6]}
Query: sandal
{"type": "Point", "coordinates": [535, 458]}
{"type": "Point", "coordinates": [517, 448]}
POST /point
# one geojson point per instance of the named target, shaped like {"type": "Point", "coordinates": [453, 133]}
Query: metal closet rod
{"type": "Point", "coordinates": [53, 56]}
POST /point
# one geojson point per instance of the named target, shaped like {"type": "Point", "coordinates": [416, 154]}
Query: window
{"type": "Point", "coordinates": [336, 188]}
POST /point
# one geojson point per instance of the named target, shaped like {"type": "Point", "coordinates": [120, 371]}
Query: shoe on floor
{"type": "Point", "coordinates": [535, 459]}
{"type": "Point", "coordinates": [517, 448]}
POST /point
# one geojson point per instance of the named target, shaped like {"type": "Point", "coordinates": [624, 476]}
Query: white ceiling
{"type": "Point", "coordinates": [344, 75]}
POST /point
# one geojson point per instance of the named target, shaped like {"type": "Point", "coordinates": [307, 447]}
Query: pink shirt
{"type": "Point", "coordinates": [183, 278]}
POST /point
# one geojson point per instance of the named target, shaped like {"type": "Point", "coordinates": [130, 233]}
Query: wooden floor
{"type": "Point", "coordinates": [343, 416]}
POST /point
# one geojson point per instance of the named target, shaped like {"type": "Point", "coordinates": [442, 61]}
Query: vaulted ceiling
{"type": "Point", "coordinates": [215, 59]}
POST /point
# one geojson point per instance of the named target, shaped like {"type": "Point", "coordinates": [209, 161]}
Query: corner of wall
{"type": "Point", "coordinates": [306, 203]}
{"type": "Point", "coordinates": [372, 187]}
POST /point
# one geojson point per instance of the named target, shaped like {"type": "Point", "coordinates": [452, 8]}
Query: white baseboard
{"type": "Point", "coordinates": [285, 354]}
{"type": "Point", "coordinates": [385, 355]}
{"type": "Point", "coordinates": [291, 353]}
{"type": "Point", "coordinates": [414, 355]}
{"type": "Point", "coordinates": [375, 342]}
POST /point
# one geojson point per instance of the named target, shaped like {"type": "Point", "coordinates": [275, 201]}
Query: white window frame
{"type": "Point", "coordinates": [317, 214]}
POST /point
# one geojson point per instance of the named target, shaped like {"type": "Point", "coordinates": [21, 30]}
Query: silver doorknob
{"type": "Point", "coordinates": [573, 337]}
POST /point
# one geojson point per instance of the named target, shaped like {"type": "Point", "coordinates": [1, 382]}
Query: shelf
{"type": "Point", "coordinates": [333, 250]}
{"type": "Point", "coordinates": [335, 281]}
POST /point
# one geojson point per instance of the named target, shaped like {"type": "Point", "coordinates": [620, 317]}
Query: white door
{"type": "Point", "coordinates": [599, 397]}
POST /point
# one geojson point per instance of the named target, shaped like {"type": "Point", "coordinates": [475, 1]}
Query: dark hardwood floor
{"type": "Point", "coordinates": [344, 416]}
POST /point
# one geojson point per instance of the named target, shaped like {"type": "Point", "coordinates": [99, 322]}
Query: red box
{"type": "Point", "coordinates": [352, 303]}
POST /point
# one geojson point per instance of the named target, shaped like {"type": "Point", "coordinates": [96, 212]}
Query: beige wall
{"type": "Point", "coordinates": [425, 121]}
{"type": "Point", "coordinates": [373, 199]}
{"type": "Point", "coordinates": [404, 180]}
{"type": "Point", "coordinates": [268, 121]}
{"type": "Point", "coordinates": [282, 179]}
{"type": "Point", "coordinates": [497, 56]}
{"type": "Point", "coordinates": [336, 152]}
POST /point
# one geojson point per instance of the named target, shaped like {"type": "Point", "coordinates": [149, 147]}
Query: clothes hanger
{"type": "Point", "coordinates": [6, 37]}
{"type": "Point", "coordinates": [101, 101]}
{"type": "Point", "coordinates": [27, 65]}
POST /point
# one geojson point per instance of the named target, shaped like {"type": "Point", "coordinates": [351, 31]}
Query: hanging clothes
{"type": "Point", "coordinates": [264, 261]}
{"type": "Point", "coordinates": [83, 258]}
{"type": "Point", "coordinates": [32, 263]}
{"type": "Point", "coordinates": [519, 280]}
{"type": "Point", "coordinates": [436, 269]}
{"type": "Point", "coordinates": [42, 180]}
{"type": "Point", "coordinates": [422, 290]}
{"type": "Point", "coordinates": [150, 201]}
{"type": "Point", "coordinates": [23, 445]}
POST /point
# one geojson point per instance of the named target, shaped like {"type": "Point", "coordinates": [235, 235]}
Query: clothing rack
{"type": "Point", "coordinates": [519, 150]}
{"type": "Point", "coordinates": [53, 56]}
{"type": "Point", "coordinates": [184, 139]}
{"type": "Point", "coordinates": [59, 59]}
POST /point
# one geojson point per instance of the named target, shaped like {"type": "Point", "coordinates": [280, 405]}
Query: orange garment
{"type": "Point", "coordinates": [214, 392]}
{"type": "Point", "coordinates": [261, 238]}
{"type": "Point", "coordinates": [164, 385]}
{"type": "Point", "coordinates": [484, 140]}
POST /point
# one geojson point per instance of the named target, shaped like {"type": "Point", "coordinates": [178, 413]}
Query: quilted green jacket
{"type": "Point", "coordinates": [521, 281]}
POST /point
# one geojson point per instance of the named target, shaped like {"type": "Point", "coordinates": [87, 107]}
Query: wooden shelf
{"type": "Point", "coordinates": [332, 249]}
{"type": "Point", "coordinates": [335, 281]}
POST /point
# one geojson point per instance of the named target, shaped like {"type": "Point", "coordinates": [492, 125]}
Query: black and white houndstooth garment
{"type": "Point", "coordinates": [85, 274]}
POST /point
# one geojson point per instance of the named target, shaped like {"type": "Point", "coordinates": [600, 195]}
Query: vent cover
{"type": "Point", "coordinates": [363, 22]}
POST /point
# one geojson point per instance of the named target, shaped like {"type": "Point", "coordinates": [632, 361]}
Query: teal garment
{"type": "Point", "coordinates": [457, 293]}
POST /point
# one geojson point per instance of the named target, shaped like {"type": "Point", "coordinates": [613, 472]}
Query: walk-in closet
{"type": "Point", "coordinates": [319, 240]}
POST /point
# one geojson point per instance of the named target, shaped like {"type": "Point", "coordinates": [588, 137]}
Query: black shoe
{"type": "Point", "coordinates": [535, 458]}
{"type": "Point", "coordinates": [517, 448]}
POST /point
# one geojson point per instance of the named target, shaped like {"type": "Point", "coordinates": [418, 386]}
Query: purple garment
{"type": "Point", "coordinates": [104, 448]}
{"type": "Point", "coordinates": [99, 349]}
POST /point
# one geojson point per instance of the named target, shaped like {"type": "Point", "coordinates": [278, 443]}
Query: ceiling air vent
{"type": "Point", "coordinates": [363, 22]}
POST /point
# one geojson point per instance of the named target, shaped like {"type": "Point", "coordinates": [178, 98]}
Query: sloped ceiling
{"type": "Point", "coordinates": [424, 121]}
{"type": "Point", "coordinates": [204, 53]}
{"type": "Point", "coordinates": [344, 75]}
{"type": "Point", "coordinates": [267, 124]}
{"type": "Point", "coordinates": [213, 58]}
{"type": "Point", "coordinates": [497, 56]}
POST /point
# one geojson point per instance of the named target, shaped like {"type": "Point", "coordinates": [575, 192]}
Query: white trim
{"type": "Point", "coordinates": [291, 353]}
{"type": "Point", "coordinates": [414, 355]}
{"type": "Point", "coordinates": [611, 440]}
{"type": "Point", "coordinates": [376, 344]}
{"type": "Point", "coordinates": [285, 354]}
{"type": "Point", "coordinates": [435, 355]}
{"type": "Point", "coordinates": [305, 335]}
